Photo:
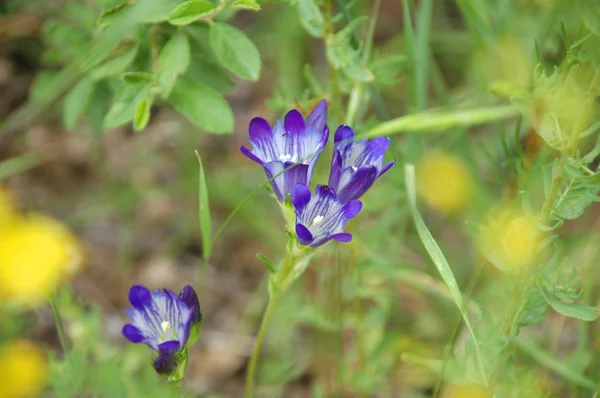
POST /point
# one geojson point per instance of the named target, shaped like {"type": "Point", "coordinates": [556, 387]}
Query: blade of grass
{"type": "Point", "coordinates": [409, 47]}
{"type": "Point", "coordinates": [204, 212]}
{"type": "Point", "coordinates": [436, 121]}
{"type": "Point", "coordinates": [439, 260]}
{"type": "Point", "coordinates": [17, 165]}
{"type": "Point", "coordinates": [421, 55]}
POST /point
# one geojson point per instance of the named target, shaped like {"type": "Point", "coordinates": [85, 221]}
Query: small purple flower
{"type": "Point", "coordinates": [322, 217]}
{"type": "Point", "coordinates": [296, 140]}
{"type": "Point", "coordinates": [162, 320]}
{"type": "Point", "coordinates": [356, 164]}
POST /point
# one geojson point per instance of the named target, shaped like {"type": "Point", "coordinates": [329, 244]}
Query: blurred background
{"type": "Point", "coordinates": [95, 197]}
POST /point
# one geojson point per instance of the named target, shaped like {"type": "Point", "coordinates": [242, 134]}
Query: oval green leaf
{"type": "Point", "coordinates": [189, 11]}
{"type": "Point", "coordinates": [234, 50]}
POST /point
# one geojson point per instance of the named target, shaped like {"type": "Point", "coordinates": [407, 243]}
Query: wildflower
{"type": "Point", "coordinates": [510, 239]}
{"type": "Point", "coordinates": [444, 182]}
{"type": "Point", "coordinates": [322, 217]}
{"type": "Point", "coordinates": [38, 253]}
{"type": "Point", "coordinates": [356, 164]}
{"type": "Point", "coordinates": [164, 322]}
{"type": "Point", "coordinates": [295, 141]}
{"type": "Point", "coordinates": [24, 370]}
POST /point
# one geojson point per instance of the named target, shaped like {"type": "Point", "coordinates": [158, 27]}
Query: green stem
{"type": "Point", "coordinates": [58, 324]}
{"type": "Point", "coordinates": [249, 388]}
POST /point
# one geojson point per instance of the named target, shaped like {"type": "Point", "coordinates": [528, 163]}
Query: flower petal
{"type": "Point", "coordinates": [190, 298]}
{"type": "Point", "coordinates": [304, 235]}
{"type": "Point", "coordinates": [343, 135]}
{"type": "Point", "coordinates": [325, 193]}
{"type": "Point", "coordinates": [374, 151]}
{"type": "Point", "coordinates": [294, 122]}
{"type": "Point", "coordinates": [285, 182]}
{"type": "Point", "coordinates": [250, 155]}
{"type": "Point", "coordinates": [358, 184]}
{"type": "Point", "coordinates": [165, 364]}
{"type": "Point", "coordinates": [342, 237]}
{"type": "Point", "coordinates": [300, 196]}
{"type": "Point", "coordinates": [132, 333]}
{"type": "Point", "coordinates": [318, 116]}
{"type": "Point", "coordinates": [336, 169]}
{"type": "Point", "coordinates": [169, 347]}
{"type": "Point", "coordinates": [139, 296]}
{"type": "Point", "coordinates": [259, 129]}
{"type": "Point", "coordinates": [351, 209]}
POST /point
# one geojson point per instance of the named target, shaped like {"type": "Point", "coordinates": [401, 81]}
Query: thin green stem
{"type": "Point", "coordinates": [58, 324]}
{"type": "Point", "coordinates": [249, 387]}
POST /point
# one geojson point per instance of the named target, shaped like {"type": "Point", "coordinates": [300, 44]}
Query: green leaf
{"type": "Point", "coordinates": [311, 18]}
{"type": "Point", "coordinates": [142, 113]}
{"type": "Point", "coordinates": [573, 310]}
{"type": "Point", "coordinates": [117, 64]}
{"type": "Point", "coordinates": [43, 86]}
{"type": "Point", "coordinates": [112, 14]}
{"type": "Point", "coordinates": [190, 11]}
{"type": "Point", "coordinates": [267, 262]}
{"type": "Point", "coordinates": [235, 51]}
{"type": "Point", "coordinates": [210, 74]}
{"type": "Point", "coordinates": [246, 4]}
{"type": "Point", "coordinates": [173, 61]}
{"type": "Point", "coordinates": [124, 104]}
{"type": "Point", "coordinates": [77, 101]}
{"type": "Point", "coordinates": [204, 212]}
{"type": "Point", "coordinates": [202, 105]}
{"type": "Point", "coordinates": [17, 165]}
{"type": "Point", "coordinates": [438, 258]}
{"type": "Point", "coordinates": [573, 203]}
{"type": "Point", "coordinates": [137, 77]}
{"type": "Point", "coordinates": [152, 11]}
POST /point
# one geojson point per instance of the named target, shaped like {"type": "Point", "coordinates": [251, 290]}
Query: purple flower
{"type": "Point", "coordinates": [162, 320]}
{"type": "Point", "coordinates": [356, 164]}
{"type": "Point", "coordinates": [322, 217]}
{"type": "Point", "coordinates": [294, 141]}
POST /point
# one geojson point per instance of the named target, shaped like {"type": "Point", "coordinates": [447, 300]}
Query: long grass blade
{"type": "Point", "coordinates": [204, 212]}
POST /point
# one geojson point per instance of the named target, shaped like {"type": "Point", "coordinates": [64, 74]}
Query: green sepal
{"type": "Point", "coordinates": [195, 332]}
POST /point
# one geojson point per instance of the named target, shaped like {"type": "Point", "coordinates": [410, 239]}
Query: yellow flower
{"type": "Point", "coordinates": [444, 182]}
{"type": "Point", "coordinates": [23, 370]}
{"type": "Point", "coordinates": [466, 391]}
{"type": "Point", "coordinates": [510, 239]}
{"type": "Point", "coordinates": [8, 211]}
{"type": "Point", "coordinates": [37, 254]}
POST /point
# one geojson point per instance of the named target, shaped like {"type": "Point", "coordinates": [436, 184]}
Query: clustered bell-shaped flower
{"type": "Point", "coordinates": [289, 152]}
{"type": "Point", "coordinates": [166, 322]}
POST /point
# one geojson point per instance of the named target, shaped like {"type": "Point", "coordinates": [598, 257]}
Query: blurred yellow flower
{"type": "Point", "coordinates": [444, 182]}
{"type": "Point", "coordinates": [8, 211]}
{"type": "Point", "coordinates": [23, 370]}
{"type": "Point", "coordinates": [38, 253]}
{"type": "Point", "coordinates": [510, 239]}
{"type": "Point", "coordinates": [504, 66]}
{"type": "Point", "coordinates": [466, 391]}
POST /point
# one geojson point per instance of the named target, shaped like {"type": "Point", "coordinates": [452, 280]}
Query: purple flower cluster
{"type": "Point", "coordinates": [288, 152]}
{"type": "Point", "coordinates": [162, 320]}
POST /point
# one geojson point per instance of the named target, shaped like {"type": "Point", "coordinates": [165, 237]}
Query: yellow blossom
{"type": "Point", "coordinates": [23, 370]}
{"type": "Point", "coordinates": [444, 182]}
{"type": "Point", "coordinates": [466, 391]}
{"type": "Point", "coordinates": [37, 254]}
{"type": "Point", "coordinates": [510, 239]}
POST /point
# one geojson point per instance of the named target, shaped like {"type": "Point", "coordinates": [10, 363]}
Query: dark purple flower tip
{"type": "Point", "coordinates": [351, 209]}
{"type": "Point", "coordinates": [318, 116]}
{"type": "Point", "coordinates": [357, 182]}
{"type": "Point", "coordinates": [169, 347]}
{"type": "Point", "coordinates": [132, 333]}
{"type": "Point", "coordinates": [139, 296]}
{"type": "Point", "coordinates": [343, 237]}
{"type": "Point", "coordinates": [386, 167]}
{"type": "Point", "coordinates": [248, 153]}
{"type": "Point", "coordinates": [285, 181]}
{"type": "Point", "coordinates": [305, 237]}
{"type": "Point", "coordinates": [165, 364]}
{"type": "Point", "coordinates": [343, 135]}
{"type": "Point", "coordinates": [259, 129]}
{"type": "Point", "coordinates": [300, 196]}
{"type": "Point", "coordinates": [294, 122]}
{"type": "Point", "coordinates": [188, 296]}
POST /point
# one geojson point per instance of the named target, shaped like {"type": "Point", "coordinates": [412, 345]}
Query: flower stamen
{"type": "Point", "coordinates": [317, 220]}
{"type": "Point", "coordinates": [165, 326]}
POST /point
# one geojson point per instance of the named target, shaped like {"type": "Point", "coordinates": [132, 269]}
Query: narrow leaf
{"type": "Point", "coordinates": [438, 258]}
{"type": "Point", "coordinates": [124, 102]}
{"type": "Point", "coordinates": [235, 51]}
{"type": "Point", "coordinates": [189, 11]}
{"type": "Point", "coordinates": [267, 262]}
{"type": "Point", "coordinates": [112, 14]}
{"type": "Point", "coordinates": [573, 310]}
{"type": "Point", "coordinates": [17, 165]}
{"type": "Point", "coordinates": [204, 212]}
{"type": "Point", "coordinates": [142, 114]}
{"type": "Point", "coordinates": [246, 4]}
